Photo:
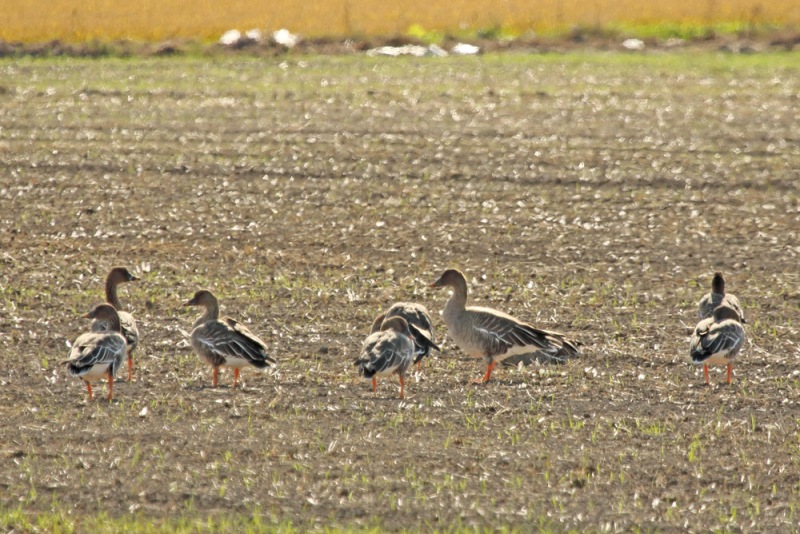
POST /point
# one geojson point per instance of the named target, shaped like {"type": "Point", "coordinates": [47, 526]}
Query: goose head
{"type": "Point", "coordinates": [452, 278]}
{"type": "Point", "coordinates": [202, 298]}
{"type": "Point", "coordinates": [119, 275]}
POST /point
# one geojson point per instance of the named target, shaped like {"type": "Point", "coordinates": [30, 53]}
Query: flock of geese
{"type": "Point", "coordinates": [400, 337]}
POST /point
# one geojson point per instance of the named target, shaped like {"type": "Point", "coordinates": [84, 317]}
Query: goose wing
{"type": "Point", "coordinates": [711, 338]}
{"type": "Point", "coordinates": [129, 329]}
{"type": "Point", "coordinates": [413, 313]}
{"type": "Point", "coordinates": [96, 348]}
{"type": "Point", "coordinates": [230, 339]}
{"type": "Point", "coordinates": [422, 342]}
{"type": "Point", "coordinates": [498, 333]}
{"type": "Point", "coordinates": [711, 301]}
{"type": "Point", "coordinates": [127, 324]}
{"type": "Point", "coordinates": [385, 352]}
{"type": "Point", "coordinates": [733, 301]}
{"type": "Point", "coordinates": [419, 322]}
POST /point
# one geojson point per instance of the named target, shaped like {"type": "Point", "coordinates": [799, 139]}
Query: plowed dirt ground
{"type": "Point", "coordinates": [589, 193]}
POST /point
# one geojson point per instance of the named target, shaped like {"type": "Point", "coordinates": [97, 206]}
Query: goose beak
{"type": "Point", "coordinates": [437, 283]}
{"type": "Point", "coordinates": [87, 315]}
{"type": "Point", "coordinates": [134, 278]}
{"type": "Point", "coordinates": [190, 302]}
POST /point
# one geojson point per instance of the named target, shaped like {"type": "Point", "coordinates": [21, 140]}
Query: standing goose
{"type": "Point", "coordinates": [711, 301]}
{"type": "Point", "coordinates": [418, 316]}
{"type": "Point", "coordinates": [225, 342]}
{"type": "Point", "coordinates": [491, 334]}
{"type": "Point", "coordinates": [97, 354]}
{"type": "Point", "coordinates": [717, 339]}
{"type": "Point", "coordinates": [116, 276]}
{"type": "Point", "coordinates": [391, 350]}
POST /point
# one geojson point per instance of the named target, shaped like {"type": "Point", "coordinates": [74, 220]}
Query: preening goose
{"type": "Point", "coordinates": [717, 339]}
{"type": "Point", "coordinates": [116, 276]}
{"type": "Point", "coordinates": [491, 334]}
{"type": "Point", "coordinates": [225, 342]}
{"type": "Point", "coordinates": [418, 316]}
{"type": "Point", "coordinates": [391, 350]}
{"type": "Point", "coordinates": [97, 354]}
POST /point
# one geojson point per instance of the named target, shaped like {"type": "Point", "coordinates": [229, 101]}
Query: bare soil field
{"type": "Point", "coordinates": [588, 193]}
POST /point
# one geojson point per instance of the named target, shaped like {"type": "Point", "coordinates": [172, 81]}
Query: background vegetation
{"type": "Point", "coordinates": [155, 20]}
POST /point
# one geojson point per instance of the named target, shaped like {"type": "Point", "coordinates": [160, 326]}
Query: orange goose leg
{"type": "Point", "coordinates": [214, 377]}
{"type": "Point", "coordinates": [487, 376]}
{"type": "Point", "coordinates": [374, 387]}
{"type": "Point", "coordinates": [110, 385]}
{"type": "Point", "coordinates": [235, 377]}
{"type": "Point", "coordinates": [89, 389]}
{"type": "Point", "coordinates": [730, 370]}
{"type": "Point", "coordinates": [402, 387]}
{"type": "Point", "coordinates": [130, 367]}
{"type": "Point", "coordinates": [705, 372]}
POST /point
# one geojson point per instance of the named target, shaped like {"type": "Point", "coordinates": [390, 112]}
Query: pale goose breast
{"type": "Point", "coordinates": [129, 330]}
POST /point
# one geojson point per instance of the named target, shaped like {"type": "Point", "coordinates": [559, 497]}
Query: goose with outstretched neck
{"type": "Point", "coordinates": [117, 276]}
{"type": "Point", "coordinates": [491, 334]}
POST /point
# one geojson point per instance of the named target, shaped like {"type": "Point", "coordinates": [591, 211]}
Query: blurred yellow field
{"type": "Point", "coordinates": [80, 20]}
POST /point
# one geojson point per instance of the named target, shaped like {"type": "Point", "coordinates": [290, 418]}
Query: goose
{"type": "Point", "coordinates": [225, 342]}
{"type": "Point", "coordinates": [422, 334]}
{"type": "Point", "coordinates": [717, 296]}
{"type": "Point", "coordinates": [97, 354]}
{"type": "Point", "coordinates": [391, 350]}
{"type": "Point", "coordinates": [717, 339]}
{"type": "Point", "coordinates": [491, 334]}
{"type": "Point", "coordinates": [116, 276]}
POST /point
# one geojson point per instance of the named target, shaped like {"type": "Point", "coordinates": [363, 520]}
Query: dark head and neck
{"type": "Point", "coordinates": [455, 279]}
{"type": "Point", "coordinates": [208, 301]}
{"type": "Point", "coordinates": [718, 284]}
{"type": "Point", "coordinates": [118, 275]}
